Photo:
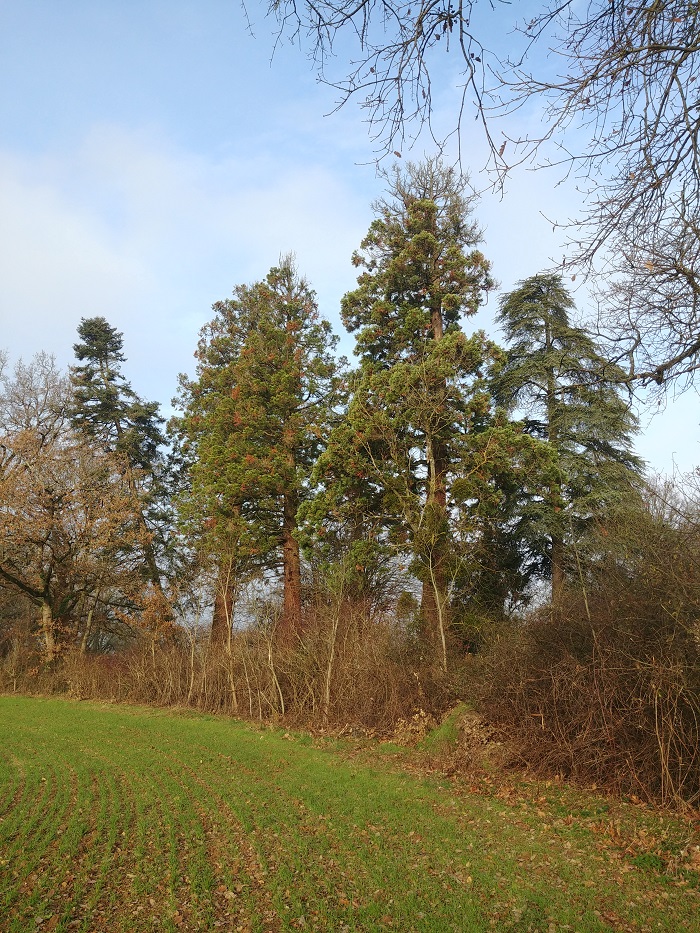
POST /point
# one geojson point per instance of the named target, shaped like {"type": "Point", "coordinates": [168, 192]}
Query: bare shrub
{"type": "Point", "coordinates": [349, 668]}
{"type": "Point", "coordinates": [605, 686]}
{"type": "Point", "coordinates": [18, 652]}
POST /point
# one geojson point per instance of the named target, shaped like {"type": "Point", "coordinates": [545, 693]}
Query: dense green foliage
{"type": "Point", "coordinates": [570, 397]}
{"type": "Point", "coordinates": [104, 407]}
{"type": "Point", "coordinates": [417, 395]}
{"type": "Point", "coordinates": [106, 412]}
{"type": "Point", "coordinates": [254, 421]}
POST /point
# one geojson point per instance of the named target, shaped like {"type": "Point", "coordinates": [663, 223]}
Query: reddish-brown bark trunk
{"type": "Point", "coordinates": [557, 568]}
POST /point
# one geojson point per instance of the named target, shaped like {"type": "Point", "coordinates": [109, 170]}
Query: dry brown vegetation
{"type": "Point", "coordinates": [605, 685]}
{"type": "Point", "coordinates": [351, 673]}
{"type": "Point", "coordinates": [602, 687]}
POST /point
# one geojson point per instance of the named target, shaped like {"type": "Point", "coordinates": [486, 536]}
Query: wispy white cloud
{"type": "Point", "coordinates": [56, 261]}
{"type": "Point", "coordinates": [149, 236]}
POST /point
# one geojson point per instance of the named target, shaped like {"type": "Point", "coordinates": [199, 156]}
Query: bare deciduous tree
{"type": "Point", "coordinates": [68, 529]}
{"type": "Point", "coordinates": [615, 85]}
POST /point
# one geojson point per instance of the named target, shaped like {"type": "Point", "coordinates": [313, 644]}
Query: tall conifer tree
{"type": "Point", "coordinates": [570, 397]}
{"type": "Point", "coordinates": [255, 420]}
{"type": "Point", "coordinates": [107, 413]}
{"type": "Point", "coordinates": [417, 387]}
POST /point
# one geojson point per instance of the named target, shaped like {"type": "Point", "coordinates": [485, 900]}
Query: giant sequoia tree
{"type": "Point", "coordinates": [567, 391]}
{"type": "Point", "coordinates": [254, 421]}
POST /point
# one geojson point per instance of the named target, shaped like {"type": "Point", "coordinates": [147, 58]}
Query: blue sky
{"type": "Point", "coordinates": [154, 154]}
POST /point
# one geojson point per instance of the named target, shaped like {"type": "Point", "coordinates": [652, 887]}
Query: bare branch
{"type": "Point", "coordinates": [616, 86]}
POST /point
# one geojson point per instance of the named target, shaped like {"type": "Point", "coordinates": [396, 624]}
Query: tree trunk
{"type": "Point", "coordinates": [436, 322]}
{"type": "Point", "coordinates": [224, 604]}
{"type": "Point", "coordinates": [86, 631]}
{"type": "Point", "coordinates": [434, 599]}
{"type": "Point", "coordinates": [435, 606]}
{"type": "Point", "coordinates": [433, 603]}
{"type": "Point", "coordinates": [557, 567]}
{"type": "Point", "coordinates": [428, 608]}
{"type": "Point", "coordinates": [291, 560]}
{"type": "Point", "coordinates": [555, 490]}
{"type": "Point", "coordinates": [47, 630]}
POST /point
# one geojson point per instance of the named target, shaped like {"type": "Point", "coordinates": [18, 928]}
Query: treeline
{"type": "Point", "coordinates": [449, 517]}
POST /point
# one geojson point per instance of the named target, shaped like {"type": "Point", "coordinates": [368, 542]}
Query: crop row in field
{"type": "Point", "coordinates": [118, 819]}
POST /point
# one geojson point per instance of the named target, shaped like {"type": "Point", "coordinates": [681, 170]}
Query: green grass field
{"type": "Point", "coordinates": [123, 819]}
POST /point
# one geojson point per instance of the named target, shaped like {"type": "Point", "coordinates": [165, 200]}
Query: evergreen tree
{"type": "Point", "coordinates": [107, 413]}
{"type": "Point", "coordinates": [105, 407]}
{"type": "Point", "coordinates": [418, 386]}
{"type": "Point", "coordinates": [255, 419]}
{"type": "Point", "coordinates": [496, 498]}
{"type": "Point", "coordinates": [569, 394]}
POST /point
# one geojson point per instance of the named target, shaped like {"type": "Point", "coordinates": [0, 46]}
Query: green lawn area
{"type": "Point", "coordinates": [126, 819]}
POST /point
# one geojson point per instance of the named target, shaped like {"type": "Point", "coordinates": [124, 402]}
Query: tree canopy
{"type": "Point", "coordinates": [70, 534]}
{"type": "Point", "coordinates": [255, 420]}
{"type": "Point", "coordinates": [568, 395]}
{"type": "Point", "coordinates": [418, 392]}
{"type": "Point", "coordinates": [107, 413]}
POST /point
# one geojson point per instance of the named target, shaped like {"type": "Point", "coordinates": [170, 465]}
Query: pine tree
{"type": "Point", "coordinates": [108, 414]}
{"type": "Point", "coordinates": [255, 419]}
{"type": "Point", "coordinates": [105, 407]}
{"type": "Point", "coordinates": [569, 394]}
